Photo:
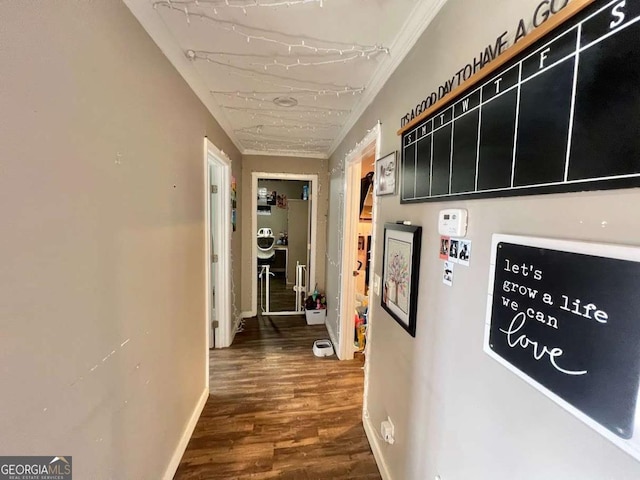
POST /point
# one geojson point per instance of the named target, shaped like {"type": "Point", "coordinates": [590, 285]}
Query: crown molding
{"type": "Point", "coordinates": [417, 22]}
{"type": "Point", "coordinates": [277, 153]}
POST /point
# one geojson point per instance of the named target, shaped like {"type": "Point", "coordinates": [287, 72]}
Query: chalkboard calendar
{"type": "Point", "coordinates": [565, 317]}
{"type": "Point", "coordinates": [563, 115]}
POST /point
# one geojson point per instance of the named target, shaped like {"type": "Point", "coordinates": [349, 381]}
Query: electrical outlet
{"type": "Point", "coordinates": [387, 430]}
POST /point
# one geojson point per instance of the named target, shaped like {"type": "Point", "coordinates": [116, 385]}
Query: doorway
{"type": "Point", "coordinates": [359, 220]}
{"type": "Point", "coordinates": [219, 324]}
{"type": "Point", "coordinates": [284, 219]}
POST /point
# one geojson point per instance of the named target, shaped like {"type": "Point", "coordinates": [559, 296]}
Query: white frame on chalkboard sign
{"type": "Point", "coordinates": [631, 446]}
{"type": "Point", "coordinates": [389, 166]}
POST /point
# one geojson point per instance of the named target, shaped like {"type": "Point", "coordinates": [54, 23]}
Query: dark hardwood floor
{"type": "Point", "coordinates": [278, 412]}
{"type": "Point", "coordinates": [282, 298]}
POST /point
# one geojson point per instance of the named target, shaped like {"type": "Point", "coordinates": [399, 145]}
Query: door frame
{"type": "Point", "coordinates": [350, 220]}
{"type": "Point", "coordinates": [313, 232]}
{"type": "Point", "coordinates": [214, 157]}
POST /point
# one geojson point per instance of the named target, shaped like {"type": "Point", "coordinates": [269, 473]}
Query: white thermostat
{"type": "Point", "coordinates": [452, 222]}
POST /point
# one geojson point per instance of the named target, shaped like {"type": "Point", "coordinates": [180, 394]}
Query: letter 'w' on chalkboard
{"type": "Point", "coordinates": [565, 317]}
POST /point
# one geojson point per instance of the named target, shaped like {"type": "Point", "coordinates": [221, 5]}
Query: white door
{"type": "Point", "coordinates": [219, 323]}
{"type": "Point", "coordinates": [215, 224]}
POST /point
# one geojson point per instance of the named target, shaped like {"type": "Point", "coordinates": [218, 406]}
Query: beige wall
{"type": "Point", "coordinates": [288, 165]}
{"type": "Point", "coordinates": [458, 413]}
{"type": "Point", "coordinates": [102, 299]}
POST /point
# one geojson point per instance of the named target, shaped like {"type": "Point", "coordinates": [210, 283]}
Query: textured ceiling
{"type": "Point", "coordinates": [328, 57]}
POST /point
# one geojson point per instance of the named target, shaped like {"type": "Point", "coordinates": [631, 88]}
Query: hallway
{"type": "Point", "coordinates": [276, 411]}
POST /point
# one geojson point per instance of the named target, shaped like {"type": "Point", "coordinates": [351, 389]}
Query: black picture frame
{"type": "Point", "coordinates": [401, 273]}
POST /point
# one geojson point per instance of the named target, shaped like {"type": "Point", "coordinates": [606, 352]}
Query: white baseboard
{"type": "Point", "coordinates": [332, 336]}
{"type": "Point", "coordinates": [374, 442]}
{"type": "Point", "coordinates": [186, 436]}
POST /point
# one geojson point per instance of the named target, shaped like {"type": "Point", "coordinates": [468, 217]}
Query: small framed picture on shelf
{"type": "Point", "coordinates": [385, 175]}
{"type": "Point", "coordinates": [400, 270]}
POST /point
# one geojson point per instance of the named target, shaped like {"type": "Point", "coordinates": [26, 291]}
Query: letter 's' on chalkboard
{"type": "Point", "coordinates": [565, 317]}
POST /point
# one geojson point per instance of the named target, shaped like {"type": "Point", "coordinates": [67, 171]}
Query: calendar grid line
{"type": "Point", "coordinates": [573, 103]}
{"type": "Point", "coordinates": [515, 133]}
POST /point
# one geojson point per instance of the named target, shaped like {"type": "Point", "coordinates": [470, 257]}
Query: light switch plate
{"type": "Point", "coordinates": [376, 284]}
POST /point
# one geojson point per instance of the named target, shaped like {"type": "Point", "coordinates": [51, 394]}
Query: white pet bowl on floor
{"type": "Point", "coordinates": [322, 348]}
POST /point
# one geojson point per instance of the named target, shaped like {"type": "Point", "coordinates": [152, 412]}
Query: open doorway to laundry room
{"type": "Point", "coordinates": [284, 219]}
{"type": "Point", "coordinates": [359, 218]}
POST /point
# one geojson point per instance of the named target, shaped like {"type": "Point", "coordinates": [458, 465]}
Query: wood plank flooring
{"type": "Point", "coordinates": [282, 298]}
{"type": "Point", "coordinates": [278, 412]}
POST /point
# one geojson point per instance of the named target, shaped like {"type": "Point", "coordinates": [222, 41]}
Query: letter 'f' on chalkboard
{"type": "Point", "coordinates": [543, 57]}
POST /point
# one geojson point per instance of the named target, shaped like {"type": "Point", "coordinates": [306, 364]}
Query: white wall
{"type": "Point", "coordinates": [102, 281]}
{"type": "Point", "coordinates": [458, 413]}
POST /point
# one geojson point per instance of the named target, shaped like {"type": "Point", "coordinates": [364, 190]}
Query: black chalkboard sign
{"type": "Point", "coordinates": [563, 115]}
{"type": "Point", "coordinates": [566, 318]}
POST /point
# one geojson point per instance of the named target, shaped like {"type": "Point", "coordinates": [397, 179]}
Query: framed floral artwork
{"type": "Point", "coordinates": [400, 271]}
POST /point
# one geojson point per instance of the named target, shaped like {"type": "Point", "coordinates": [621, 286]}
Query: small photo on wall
{"type": "Point", "coordinates": [282, 201]}
{"type": "Point", "coordinates": [454, 245]}
{"type": "Point", "coordinates": [447, 274]}
{"type": "Point", "coordinates": [444, 248]}
{"type": "Point", "coordinates": [464, 252]}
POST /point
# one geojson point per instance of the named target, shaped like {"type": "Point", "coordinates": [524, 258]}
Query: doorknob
{"type": "Point", "coordinates": [356, 273]}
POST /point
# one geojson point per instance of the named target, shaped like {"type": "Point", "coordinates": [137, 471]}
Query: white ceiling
{"type": "Point", "coordinates": [331, 56]}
